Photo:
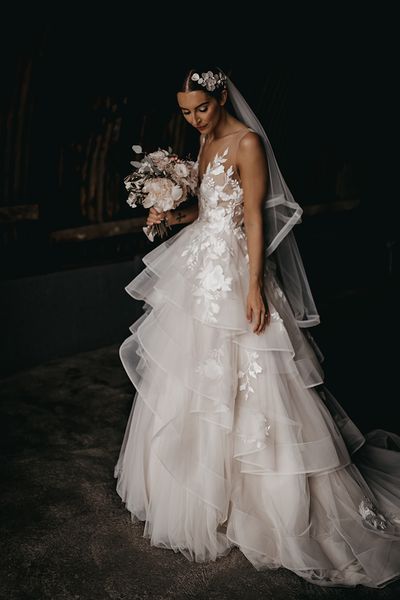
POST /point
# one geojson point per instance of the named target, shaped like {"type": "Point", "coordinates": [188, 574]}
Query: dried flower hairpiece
{"type": "Point", "coordinates": [210, 80]}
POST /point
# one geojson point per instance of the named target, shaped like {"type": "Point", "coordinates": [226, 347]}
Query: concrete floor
{"type": "Point", "coordinates": [66, 533]}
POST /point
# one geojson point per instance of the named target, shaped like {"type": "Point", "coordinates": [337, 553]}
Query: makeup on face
{"type": "Point", "coordinates": [199, 109]}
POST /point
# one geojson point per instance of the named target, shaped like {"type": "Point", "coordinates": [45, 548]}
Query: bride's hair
{"type": "Point", "coordinates": [213, 84]}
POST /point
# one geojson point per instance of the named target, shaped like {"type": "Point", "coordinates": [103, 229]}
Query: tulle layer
{"type": "Point", "coordinates": [233, 440]}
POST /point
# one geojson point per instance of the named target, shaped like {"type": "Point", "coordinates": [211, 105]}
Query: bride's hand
{"type": "Point", "coordinates": [257, 309]}
{"type": "Point", "coordinates": [155, 217]}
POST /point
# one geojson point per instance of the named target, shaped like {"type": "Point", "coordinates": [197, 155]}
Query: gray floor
{"type": "Point", "coordinates": [65, 532]}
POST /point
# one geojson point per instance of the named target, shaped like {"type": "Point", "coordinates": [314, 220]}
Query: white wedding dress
{"type": "Point", "coordinates": [233, 438]}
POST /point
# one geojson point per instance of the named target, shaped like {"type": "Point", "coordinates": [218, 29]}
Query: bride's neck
{"type": "Point", "coordinates": [226, 125]}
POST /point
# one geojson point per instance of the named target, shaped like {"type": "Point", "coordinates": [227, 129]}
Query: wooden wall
{"type": "Point", "coordinates": [71, 113]}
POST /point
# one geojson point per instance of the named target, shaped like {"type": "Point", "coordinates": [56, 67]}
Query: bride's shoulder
{"type": "Point", "coordinates": [250, 141]}
{"type": "Point", "coordinates": [250, 151]}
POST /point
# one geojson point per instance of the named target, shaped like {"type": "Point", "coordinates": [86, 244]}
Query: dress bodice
{"type": "Point", "coordinates": [220, 193]}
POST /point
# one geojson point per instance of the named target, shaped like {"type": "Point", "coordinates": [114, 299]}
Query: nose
{"type": "Point", "coordinates": [196, 121]}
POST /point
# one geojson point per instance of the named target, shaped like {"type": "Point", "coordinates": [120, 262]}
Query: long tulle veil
{"type": "Point", "coordinates": [281, 213]}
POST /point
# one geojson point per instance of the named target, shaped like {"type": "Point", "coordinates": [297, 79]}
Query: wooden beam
{"type": "Point", "coordinates": [19, 212]}
{"type": "Point", "coordinates": [122, 227]}
{"type": "Point", "coordinates": [99, 230]}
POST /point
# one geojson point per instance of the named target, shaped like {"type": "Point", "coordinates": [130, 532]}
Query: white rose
{"type": "Point", "coordinates": [160, 159]}
{"type": "Point", "coordinates": [158, 155]}
{"type": "Point", "coordinates": [181, 170]}
{"type": "Point", "coordinates": [161, 193]}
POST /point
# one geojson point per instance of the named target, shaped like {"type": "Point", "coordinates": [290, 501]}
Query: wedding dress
{"type": "Point", "coordinates": [233, 439]}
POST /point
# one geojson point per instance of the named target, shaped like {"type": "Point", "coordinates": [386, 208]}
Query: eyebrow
{"type": "Point", "coordinates": [198, 106]}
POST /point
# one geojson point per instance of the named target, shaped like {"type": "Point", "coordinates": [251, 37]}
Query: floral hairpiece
{"type": "Point", "coordinates": [210, 80]}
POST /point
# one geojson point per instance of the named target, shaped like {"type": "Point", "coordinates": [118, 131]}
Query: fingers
{"type": "Point", "coordinates": [260, 319]}
{"type": "Point", "coordinates": [154, 216]}
{"type": "Point", "coordinates": [248, 314]}
{"type": "Point", "coordinates": [259, 323]}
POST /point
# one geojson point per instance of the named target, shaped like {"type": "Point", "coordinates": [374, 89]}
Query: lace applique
{"type": "Point", "coordinates": [213, 285]}
{"type": "Point", "coordinates": [210, 248]}
{"type": "Point", "coordinates": [278, 290]}
{"type": "Point", "coordinates": [267, 427]}
{"type": "Point", "coordinates": [262, 431]}
{"type": "Point", "coordinates": [275, 316]}
{"type": "Point", "coordinates": [370, 514]}
{"type": "Point", "coordinates": [220, 190]}
{"type": "Point", "coordinates": [216, 167]}
{"type": "Point", "coordinates": [214, 248]}
{"type": "Point", "coordinates": [212, 367]}
{"type": "Point", "coordinates": [252, 369]}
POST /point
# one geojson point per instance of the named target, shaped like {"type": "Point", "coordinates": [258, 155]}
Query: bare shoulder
{"type": "Point", "coordinates": [251, 146]}
{"type": "Point", "coordinates": [250, 143]}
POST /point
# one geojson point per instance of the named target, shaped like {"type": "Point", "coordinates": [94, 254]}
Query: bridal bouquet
{"type": "Point", "coordinates": [160, 179]}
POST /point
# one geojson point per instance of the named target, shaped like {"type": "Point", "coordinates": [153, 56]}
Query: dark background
{"type": "Point", "coordinates": [78, 92]}
{"type": "Point", "coordinates": [75, 100]}
{"type": "Point", "coordinates": [79, 87]}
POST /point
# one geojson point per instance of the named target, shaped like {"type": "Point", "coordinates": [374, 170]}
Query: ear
{"type": "Point", "coordinates": [224, 97]}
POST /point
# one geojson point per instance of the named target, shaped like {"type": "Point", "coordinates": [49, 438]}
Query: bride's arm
{"type": "Point", "coordinates": [174, 216]}
{"type": "Point", "coordinates": [183, 215]}
{"type": "Point", "coordinates": [253, 169]}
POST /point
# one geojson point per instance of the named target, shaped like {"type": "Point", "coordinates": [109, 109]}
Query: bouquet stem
{"type": "Point", "coordinates": [160, 229]}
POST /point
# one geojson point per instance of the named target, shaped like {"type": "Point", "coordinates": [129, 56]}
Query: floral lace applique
{"type": "Point", "coordinates": [370, 514]}
{"type": "Point", "coordinates": [215, 167]}
{"type": "Point", "coordinates": [220, 190]}
{"type": "Point", "coordinates": [212, 367]}
{"type": "Point", "coordinates": [210, 248]}
{"type": "Point", "coordinates": [252, 369]}
{"type": "Point", "coordinates": [263, 428]}
{"type": "Point", "coordinates": [278, 290]}
{"type": "Point", "coordinates": [267, 426]}
{"type": "Point", "coordinates": [275, 316]}
{"type": "Point", "coordinates": [214, 248]}
{"type": "Point", "coordinates": [212, 287]}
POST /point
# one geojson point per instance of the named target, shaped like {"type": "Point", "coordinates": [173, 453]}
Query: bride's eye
{"type": "Point", "coordinates": [203, 109]}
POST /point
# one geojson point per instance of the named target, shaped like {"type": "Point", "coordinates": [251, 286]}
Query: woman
{"type": "Point", "coordinates": [233, 440]}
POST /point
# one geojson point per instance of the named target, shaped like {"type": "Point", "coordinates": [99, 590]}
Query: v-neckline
{"type": "Point", "coordinates": [210, 162]}
{"type": "Point", "coordinates": [216, 154]}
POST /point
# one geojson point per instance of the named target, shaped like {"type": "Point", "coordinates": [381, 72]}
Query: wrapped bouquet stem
{"type": "Point", "coordinates": [160, 229]}
{"type": "Point", "coordinates": [161, 180]}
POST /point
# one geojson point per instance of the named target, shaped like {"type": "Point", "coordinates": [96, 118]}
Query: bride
{"type": "Point", "coordinates": [233, 439]}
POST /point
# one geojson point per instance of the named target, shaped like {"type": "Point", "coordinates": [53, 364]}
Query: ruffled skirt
{"type": "Point", "coordinates": [234, 440]}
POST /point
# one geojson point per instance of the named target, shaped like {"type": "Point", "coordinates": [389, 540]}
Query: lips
{"type": "Point", "coordinates": [202, 127]}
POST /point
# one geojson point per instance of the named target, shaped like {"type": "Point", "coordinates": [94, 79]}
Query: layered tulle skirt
{"type": "Point", "coordinates": [234, 440]}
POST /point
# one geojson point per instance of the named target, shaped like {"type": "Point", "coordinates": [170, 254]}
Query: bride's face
{"type": "Point", "coordinates": [200, 109]}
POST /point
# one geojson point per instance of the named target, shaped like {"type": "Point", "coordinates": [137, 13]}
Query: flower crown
{"type": "Point", "coordinates": [210, 80]}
